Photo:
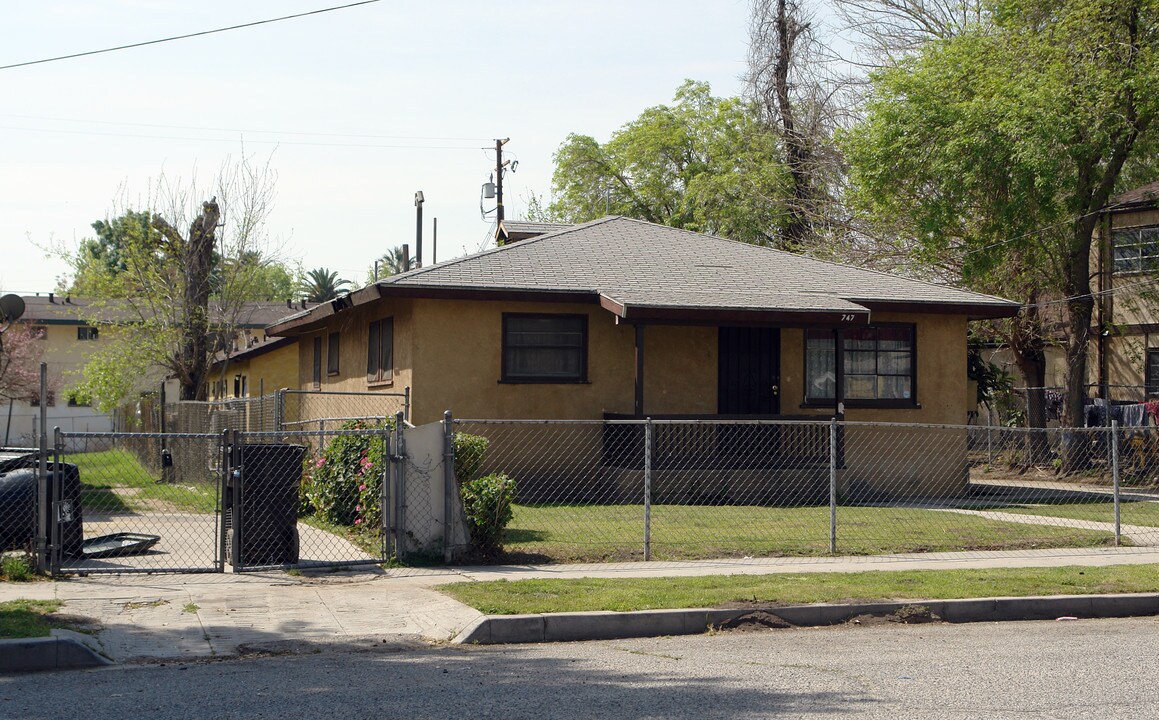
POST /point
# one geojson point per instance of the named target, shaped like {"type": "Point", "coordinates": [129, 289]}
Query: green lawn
{"type": "Point", "coordinates": [625, 594]}
{"type": "Point", "coordinates": [115, 482]}
{"type": "Point", "coordinates": [603, 533]}
{"type": "Point", "coordinates": [28, 618]}
{"type": "Point", "coordinates": [1130, 513]}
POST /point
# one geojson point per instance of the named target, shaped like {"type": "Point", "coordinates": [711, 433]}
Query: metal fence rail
{"type": "Point", "coordinates": [669, 490]}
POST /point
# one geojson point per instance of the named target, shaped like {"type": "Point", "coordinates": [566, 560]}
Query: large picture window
{"type": "Point", "coordinates": [1136, 249]}
{"type": "Point", "coordinates": [545, 348]}
{"type": "Point", "coordinates": [380, 351]}
{"type": "Point", "coordinates": [878, 367]}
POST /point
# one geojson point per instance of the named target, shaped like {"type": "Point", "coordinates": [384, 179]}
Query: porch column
{"type": "Point", "coordinates": [839, 374]}
{"type": "Point", "coordinates": [638, 407]}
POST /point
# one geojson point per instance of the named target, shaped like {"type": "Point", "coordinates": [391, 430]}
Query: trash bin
{"type": "Point", "coordinates": [18, 516]}
{"type": "Point", "coordinates": [261, 505]}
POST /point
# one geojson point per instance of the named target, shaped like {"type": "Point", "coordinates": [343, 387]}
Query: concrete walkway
{"type": "Point", "coordinates": [153, 617]}
{"type": "Point", "coordinates": [1140, 535]}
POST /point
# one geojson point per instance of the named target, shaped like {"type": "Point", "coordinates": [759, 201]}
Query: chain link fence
{"type": "Point", "coordinates": [368, 490]}
{"type": "Point", "coordinates": [706, 489]}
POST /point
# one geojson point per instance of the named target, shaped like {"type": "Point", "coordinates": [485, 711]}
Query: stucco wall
{"type": "Point", "coordinates": [449, 352]}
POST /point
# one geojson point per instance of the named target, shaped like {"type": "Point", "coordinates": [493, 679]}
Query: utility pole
{"type": "Point", "coordinates": [499, 165]}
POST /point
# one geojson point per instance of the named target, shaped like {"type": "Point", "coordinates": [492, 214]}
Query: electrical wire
{"type": "Point", "coordinates": [186, 36]}
{"type": "Point", "coordinates": [235, 130]}
{"type": "Point", "coordinates": [247, 140]}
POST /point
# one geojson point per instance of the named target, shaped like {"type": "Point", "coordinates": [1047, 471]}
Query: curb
{"type": "Point", "coordinates": [566, 627]}
{"type": "Point", "coordinates": [63, 650]}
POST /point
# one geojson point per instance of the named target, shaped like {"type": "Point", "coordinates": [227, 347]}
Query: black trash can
{"type": "Point", "coordinates": [18, 516]}
{"type": "Point", "coordinates": [261, 505]}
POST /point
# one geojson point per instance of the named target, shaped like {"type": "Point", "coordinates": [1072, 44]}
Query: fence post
{"type": "Point", "coordinates": [237, 478]}
{"type": "Point", "coordinates": [448, 482]}
{"type": "Point", "coordinates": [225, 498]}
{"type": "Point", "coordinates": [648, 488]}
{"type": "Point", "coordinates": [42, 511]}
{"type": "Point", "coordinates": [833, 486]}
{"type": "Point", "coordinates": [1115, 477]}
{"type": "Point", "coordinates": [62, 509]}
{"type": "Point", "coordinates": [279, 410]}
{"type": "Point", "coordinates": [384, 497]}
{"type": "Point", "coordinates": [400, 486]}
{"type": "Point", "coordinates": [406, 403]}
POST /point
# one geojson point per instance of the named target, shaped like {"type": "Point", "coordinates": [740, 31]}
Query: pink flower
{"type": "Point", "coordinates": [361, 487]}
{"type": "Point", "coordinates": [320, 462]}
{"type": "Point", "coordinates": [358, 508]}
{"type": "Point", "coordinates": [358, 521]}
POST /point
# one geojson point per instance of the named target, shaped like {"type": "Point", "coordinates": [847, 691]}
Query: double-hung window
{"type": "Point", "coordinates": [380, 351]}
{"type": "Point", "coordinates": [878, 366]}
{"type": "Point", "coordinates": [545, 348]}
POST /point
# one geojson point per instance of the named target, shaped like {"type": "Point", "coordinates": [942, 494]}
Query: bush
{"type": "Point", "coordinates": [343, 485]}
{"type": "Point", "coordinates": [487, 504]}
{"type": "Point", "coordinates": [469, 450]}
{"type": "Point", "coordinates": [17, 568]}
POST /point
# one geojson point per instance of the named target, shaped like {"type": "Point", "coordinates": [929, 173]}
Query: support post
{"type": "Point", "coordinates": [400, 487]}
{"type": "Point", "coordinates": [833, 486]}
{"type": "Point", "coordinates": [406, 403]}
{"type": "Point", "coordinates": [62, 509]}
{"type": "Point", "coordinates": [1115, 478]}
{"type": "Point", "coordinates": [449, 485]}
{"type": "Point", "coordinates": [648, 489]}
{"type": "Point", "coordinates": [384, 497]}
{"type": "Point", "coordinates": [42, 511]}
{"type": "Point", "coordinates": [638, 406]}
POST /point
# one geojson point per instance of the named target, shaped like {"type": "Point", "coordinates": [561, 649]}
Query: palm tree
{"type": "Point", "coordinates": [321, 285]}
{"type": "Point", "coordinates": [392, 263]}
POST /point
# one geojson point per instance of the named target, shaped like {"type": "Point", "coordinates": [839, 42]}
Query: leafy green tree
{"type": "Point", "coordinates": [999, 146]}
{"type": "Point", "coordinates": [703, 163]}
{"type": "Point", "coordinates": [322, 284]}
{"type": "Point", "coordinates": [173, 279]}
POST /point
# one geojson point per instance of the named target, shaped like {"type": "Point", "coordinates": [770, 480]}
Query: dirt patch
{"type": "Point", "coordinates": [908, 615]}
{"type": "Point", "coordinates": [754, 622]}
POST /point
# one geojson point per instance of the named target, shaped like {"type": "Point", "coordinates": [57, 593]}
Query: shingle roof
{"type": "Point", "coordinates": [631, 266]}
{"type": "Point", "coordinates": [66, 310]}
{"type": "Point", "coordinates": [515, 230]}
{"type": "Point", "coordinates": [1142, 195]}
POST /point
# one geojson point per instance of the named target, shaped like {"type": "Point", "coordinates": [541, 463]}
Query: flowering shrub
{"type": "Point", "coordinates": [342, 484]}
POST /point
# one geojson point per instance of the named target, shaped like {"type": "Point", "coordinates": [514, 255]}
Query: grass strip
{"type": "Point", "coordinates": [116, 482]}
{"type": "Point", "coordinates": [28, 618]}
{"type": "Point", "coordinates": [504, 597]}
{"type": "Point", "coordinates": [611, 533]}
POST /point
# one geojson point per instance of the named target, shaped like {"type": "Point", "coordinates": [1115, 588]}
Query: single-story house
{"type": "Point", "coordinates": [620, 318]}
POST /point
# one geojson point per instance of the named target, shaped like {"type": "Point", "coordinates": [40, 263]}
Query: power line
{"type": "Point", "coordinates": [236, 130]}
{"type": "Point", "coordinates": [185, 37]}
{"type": "Point", "coordinates": [247, 140]}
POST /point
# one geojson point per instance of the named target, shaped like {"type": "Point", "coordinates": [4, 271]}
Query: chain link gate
{"type": "Point", "coordinates": [135, 502]}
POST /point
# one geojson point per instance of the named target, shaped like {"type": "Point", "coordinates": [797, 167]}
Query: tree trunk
{"type": "Point", "coordinates": [195, 336]}
{"type": "Point", "coordinates": [1028, 346]}
{"type": "Point", "coordinates": [797, 151]}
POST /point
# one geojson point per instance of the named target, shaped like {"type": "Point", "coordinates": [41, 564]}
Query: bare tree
{"type": "Point", "coordinates": [186, 280]}
{"type": "Point", "coordinates": [799, 84]}
{"type": "Point", "coordinates": [883, 31]}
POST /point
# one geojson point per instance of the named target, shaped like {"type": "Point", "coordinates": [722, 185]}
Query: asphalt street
{"type": "Point", "coordinates": [1057, 669]}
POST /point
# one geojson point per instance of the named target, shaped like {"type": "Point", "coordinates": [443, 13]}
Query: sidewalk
{"type": "Point", "coordinates": [178, 617]}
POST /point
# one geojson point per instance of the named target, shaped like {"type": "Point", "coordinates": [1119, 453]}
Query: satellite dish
{"type": "Point", "coordinates": [11, 308]}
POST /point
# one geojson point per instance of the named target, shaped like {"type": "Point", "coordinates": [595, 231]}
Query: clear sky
{"type": "Point", "coordinates": [355, 109]}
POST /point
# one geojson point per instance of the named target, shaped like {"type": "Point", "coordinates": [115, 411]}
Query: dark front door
{"type": "Point", "coordinates": [750, 371]}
